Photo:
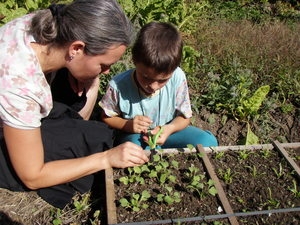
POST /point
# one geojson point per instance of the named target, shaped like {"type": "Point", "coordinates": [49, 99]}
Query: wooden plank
{"type": "Point", "coordinates": [285, 154]}
{"type": "Point", "coordinates": [110, 197]}
{"type": "Point", "coordinates": [221, 192]}
{"type": "Point", "coordinates": [226, 148]}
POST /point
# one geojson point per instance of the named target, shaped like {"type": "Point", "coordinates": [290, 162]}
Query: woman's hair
{"type": "Point", "coordinates": [158, 46]}
{"type": "Point", "coordinates": [100, 24]}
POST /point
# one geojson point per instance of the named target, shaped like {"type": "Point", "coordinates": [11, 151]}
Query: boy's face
{"type": "Point", "coordinates": [150, 81]}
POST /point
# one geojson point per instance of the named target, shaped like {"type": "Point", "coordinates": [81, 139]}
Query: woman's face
{"type": "Point", "coordinates": [85, 67]}
{"type": "Point", "coordinates": [150, 81]}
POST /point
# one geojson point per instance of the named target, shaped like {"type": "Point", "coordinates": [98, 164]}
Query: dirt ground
{"type": "Point", "coordinates": [28, 208]}
{"type": "Point", "coordinates": [258, 180]}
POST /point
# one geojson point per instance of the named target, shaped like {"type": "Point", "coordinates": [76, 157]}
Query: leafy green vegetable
{"type": "Point", "coordinates": [153, 138]}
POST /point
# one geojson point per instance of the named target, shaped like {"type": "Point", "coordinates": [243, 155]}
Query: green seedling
{"type": "Point", "coordinates": [211, 187]}
{"type": "Point", "coordinates": [272, 202]}
{"type": "Point", "coordinates": [162, 173]}
{"type": "Point", "coordinates": [135, 175]}
{"type": "Point", "coordinates": [265, 153]}
{"type": "Point", "coordinates": [226, 175]}
{"type": "Point", "coordinates": [169, 197]}
{"type": "Point", "coordinates": [244, 154]}
{"type": "Point", "coordinates": [190, 147]}
{"type": "Point", "coordinates": [136, 202]}
{"type": "Point", "coordinates": [295, 190]}
{"type": "Point", "coordinates": [253, 170]}
{"type": "Point", "coordinates": [153, 138]}
{"type": "Point", "coordinates": [175, 164]}
{"type": "Point", "coordinates": [82, 203]}
{"type": "Point", "coordinates": [197, 184]}
{"type": "Point", "coordinates": [279, 173]}
{"type": "Point", "coordinates": [219, 154]}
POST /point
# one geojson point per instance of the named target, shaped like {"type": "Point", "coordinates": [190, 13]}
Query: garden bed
{"type": "Point", "coordinates": [221, 185]}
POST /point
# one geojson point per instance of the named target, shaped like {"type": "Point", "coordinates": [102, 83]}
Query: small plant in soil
{"type": "Point", "coordinates": [278, 171]}
{"type": "Point", "coordinates": [172, 186]}
{"type": "Point", "coordinates": [271, 203]}
{"type": "Point", "coordinates": [226, 175]}
{"type": "Point", "coordinates": [243, 154]}
{"type": "Point", "coordinates": [168, 196]}
{"type": "Point", "coordinates": [219, 154]}
{"type": "Point", "coordinates": [136, 201]}
{"type": "Point", "coordinates": [295, 189]}
{"type": "Point", "coordinates": [196, 182]}
{"type": "Point", "coordinates": [265, 153]}
{"type": "Point", "coordinates": [135, 175]}
{"type": "Point", "coordinates": [160, 170]}
{"type": "Point", "coordinates": [253, 170]}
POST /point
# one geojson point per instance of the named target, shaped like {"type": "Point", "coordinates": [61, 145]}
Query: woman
{"type": "Point", "coordinates": [56, 154]}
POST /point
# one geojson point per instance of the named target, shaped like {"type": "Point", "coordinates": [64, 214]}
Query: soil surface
{"type": "Point", "coordinates": [275, 125]}
{"type": "Point", "coordinates": [259, 180]}
{"type": "Point", "coordinates": [253, 180]}
{"type": "Point", "coordinates": [194, 201]}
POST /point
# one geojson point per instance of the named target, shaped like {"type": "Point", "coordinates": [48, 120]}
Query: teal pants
{"type": "Point", "coordinates": [190, 135]}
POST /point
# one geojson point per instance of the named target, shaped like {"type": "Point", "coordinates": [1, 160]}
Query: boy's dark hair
{"type": "Point", "coordinates": [158, 46]}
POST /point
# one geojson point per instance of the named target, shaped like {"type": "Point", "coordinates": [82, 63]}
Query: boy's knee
{"type": "Point", "coordinates": [210, 140]}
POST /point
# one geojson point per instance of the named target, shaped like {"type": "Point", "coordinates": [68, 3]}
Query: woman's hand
{"type": "Point", "coordinates": [125, 155]}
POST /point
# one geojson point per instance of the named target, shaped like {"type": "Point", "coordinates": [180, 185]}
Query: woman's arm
{"type": "Point", "coordinates": [27, 156]}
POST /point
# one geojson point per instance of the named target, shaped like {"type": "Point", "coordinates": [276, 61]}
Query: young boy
{"type": "Point", "coordinates": [154, 94]}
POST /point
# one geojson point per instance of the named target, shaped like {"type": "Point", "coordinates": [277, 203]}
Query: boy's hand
{"type": "Point", "coordinates": [162, 136]}
{"type": "Point", "coordinates": [140, 124]}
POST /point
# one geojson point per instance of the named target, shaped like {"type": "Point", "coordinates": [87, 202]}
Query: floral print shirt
{"type": "Point", "coordinates": [25, 96]}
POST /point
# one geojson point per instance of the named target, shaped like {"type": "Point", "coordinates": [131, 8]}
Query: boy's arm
{"type": "Point", "coordinates": [138, 124]}
{"type": "Point", "coordinates": [177, 124]}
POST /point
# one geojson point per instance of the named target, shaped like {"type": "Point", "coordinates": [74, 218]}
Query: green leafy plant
{"type": "Point", "coordinates": [249, 107]}
{"type": "Point", "coordinates": [279, 172]}
{"type": "Point", "coordinates": [10, 9]}
{"type": "Point", "coordinates": [56, 214]}
{"type": "Point", "coordinates": [253, 170]}
{"type": "Point", "coordinates": [265, 153]}
{"type": "Point", "coordinates": [219, 154]}
{"type": "Point", "coordinates": [153, 138]}
{"type": "Point", "coordinates": [244, 154]}
{"type": "Point", "coordinates": [162, 173]}
{"type": "Point", "coordinates": [136, 201]}
{"type": "Point", "coordinates": [169, 197]}
{"type": "Point", "coordinates": [196, 182]}
{"type": "Point", "coordinates": [295, 190]}
{"type": "Point", "coordinates": [82, 203]}
{"type": "Point", "coordinates": [226, 175]}
{"type": "Point", "coordinates": [135, 175]}
{"type": "Point", "coordinates": [271, 202]}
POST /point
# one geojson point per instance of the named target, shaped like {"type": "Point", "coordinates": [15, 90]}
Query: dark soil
{"type": "Point", "coordinates": [257, 181]}
{"type": "Point", "coordinates": [261, 181]}
{"type": "Point", "coordinates": [191, 203]}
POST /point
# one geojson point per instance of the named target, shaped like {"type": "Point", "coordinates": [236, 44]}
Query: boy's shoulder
{"type": "Point", "coordinates": [178, 75]}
